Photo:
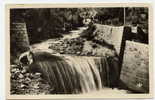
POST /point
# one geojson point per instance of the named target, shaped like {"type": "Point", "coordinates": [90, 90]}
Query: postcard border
{"type": "Point", "coordinates": [70, 5]}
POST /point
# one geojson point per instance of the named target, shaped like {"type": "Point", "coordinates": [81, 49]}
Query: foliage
{"type": "Point", "coordinates": [45, 23]}
{"type": "Point", "coordinates": [137, 16]}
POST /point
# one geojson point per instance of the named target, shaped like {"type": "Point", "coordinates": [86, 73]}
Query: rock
{"type": "Point", "coordinates": [36, 86]}
{"type": "Point", "coordinates": [13, 70]}
{"type": "Point", "coordinates": [14, 66]}
{"type": "Point", "coordinates": [27, 79]}
{"type": "Point", "coordinates": [27, 74]}
{"type": "Point", "coordinates": [61, 52]}
{"type": "Point", "coordinates": [37, 75]}
{"type": "Point", "coordinates": [22, 86]}
{"type": "Point", "coordinates": [21, 76]}
{"type": "Point", "coordinates": [23, 71]}
{"type": "Point", "coordinates": [78, 53]}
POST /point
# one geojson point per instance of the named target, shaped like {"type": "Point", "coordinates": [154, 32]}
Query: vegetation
{"type": "Point", "coordinates": [50, 23]}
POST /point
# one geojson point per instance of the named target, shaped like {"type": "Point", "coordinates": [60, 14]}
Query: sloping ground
{"type": "Point", "coordinates": [135, 69]}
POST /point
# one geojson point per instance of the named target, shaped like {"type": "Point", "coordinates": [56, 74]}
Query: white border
{"type": "Point", "coordinates": [2, 29]}
{"type": "Point", "coordinates": [87, 95]}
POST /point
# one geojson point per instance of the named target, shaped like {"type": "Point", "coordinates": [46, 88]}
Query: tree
{"type": "Point", "coordinates": [19, 41]}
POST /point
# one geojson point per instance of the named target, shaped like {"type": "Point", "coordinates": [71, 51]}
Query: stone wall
{"type": "Point", "coordinates": [135, 68]}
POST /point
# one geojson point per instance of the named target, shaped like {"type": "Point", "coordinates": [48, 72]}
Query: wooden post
{"type": "Point", "coordinates": [124, 16]}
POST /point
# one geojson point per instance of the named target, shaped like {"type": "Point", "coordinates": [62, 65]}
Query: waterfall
{"type": "Point", "coordinates": [88, 72]}
{"type": "Point", "coordinates": [74, 74]}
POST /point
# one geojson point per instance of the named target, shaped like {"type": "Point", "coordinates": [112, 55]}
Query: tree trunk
{"type": "Point", "coordinates": [19, 41]}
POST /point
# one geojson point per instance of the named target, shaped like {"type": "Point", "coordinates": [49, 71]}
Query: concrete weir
{"type": "Point", "coordinates": [75, 74]}
{"type": "Point", "coordinates": [135, 68]}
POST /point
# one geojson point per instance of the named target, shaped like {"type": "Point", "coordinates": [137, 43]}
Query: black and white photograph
{"type": "Point", "coordinates": [87, 50]}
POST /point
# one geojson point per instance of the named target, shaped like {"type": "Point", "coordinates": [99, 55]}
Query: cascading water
{"type": "Point", "coordinates": [73, 74]}
{"type": "Point", "coordinates": [87, 71]}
